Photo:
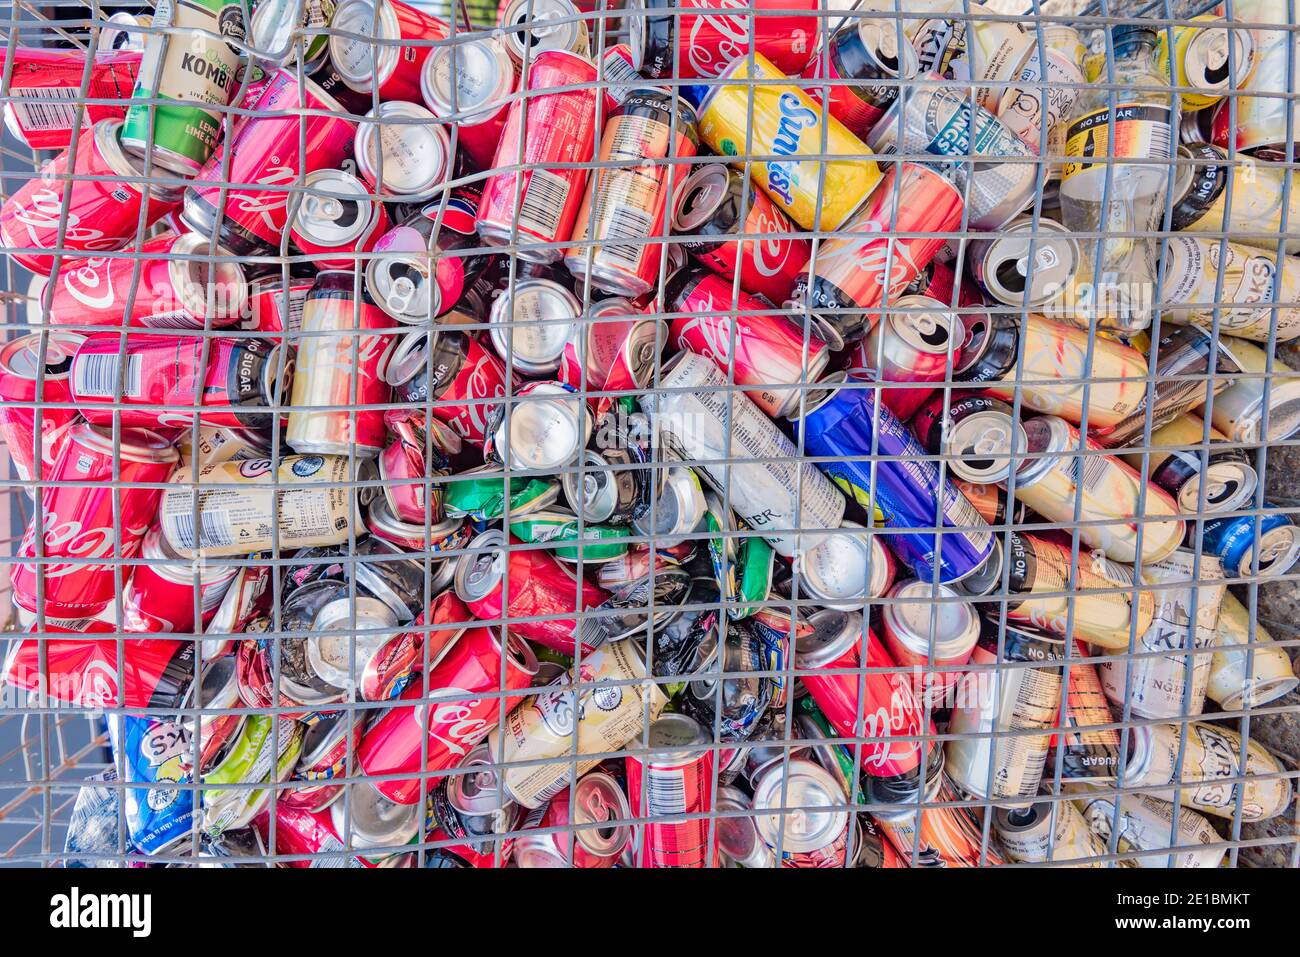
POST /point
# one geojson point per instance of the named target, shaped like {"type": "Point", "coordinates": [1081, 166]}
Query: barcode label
{"type": "Point", "coordinates": [618, 72]}
{"type": "Point", "coordinates": [667, 792]}
{"type": "Point", "coordinates": [626, 223]}
{"type": "Point", "coordinates": [297, 301]}
{"type": "Point", "coordinates": [53, 115]}
{"type": "Point", "coordinates": [215, 526]}
{"type": "Point", "coordinates": [96, 375]}
{"type": "Point", "coordinates": [543, 203]}
{"type": "Point", "coordinates": [1088, 471]}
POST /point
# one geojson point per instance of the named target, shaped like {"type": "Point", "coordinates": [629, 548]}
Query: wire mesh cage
{"type": "Point", "coordinates": [728, 433]}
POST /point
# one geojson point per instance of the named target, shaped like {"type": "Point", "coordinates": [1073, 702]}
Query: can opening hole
{"type": "Point", "coordinates": [1011, 275]}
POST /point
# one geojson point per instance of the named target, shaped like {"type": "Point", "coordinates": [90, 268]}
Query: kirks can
{"type": "Point", "coordinates": [626, 208]}
{"type": "Point", "coordinates": [1239, 410]}
{"type": "Point", "coordinates": [1064, 470]}
{"type": "Point", "coordinates": [866, 268]}
{"type": "Point", "coordinates": [1248, 669]}
{"type": "Point", "coordinates": [1255, 286]}
{"type": "Point", "coordinates": [104, 209]}
{"type": "Point", "coordinates": [744, 336]}
{"type": "Point", "coordinates": [674, 779]}
{"type": "Point", "coordinates": [1145, 823]}
{"type": "Point", "coordinates": [707, 215]}
{"type": "Point", "coordinates": [599, 707]}
{"type": "Point", "coordinates": [701, 38]}
{"type": "Point", "coordinates": [1022, 695]}
{"type": "Point", "coordinates": [763, 483]}
{"type": "Point", "coordinates": [739, 118]}
{"type": "Point", "coordinates": [193, 64]}
{"type": "Point", "coordinates": [238, 510]}
{"type": "Point", "coordinates": [535, 204]}
{"type": "Point", "coordinates": [166, 382]}
{"type": "Point", "coordinates": [89, 520]}
{"type": "Point", "coordinates": [268, 151]}
{"type": "Point", "coordinates": [463, 702]}
{"type": "Point", "coordinates": [905, 493]}
{"type": "Point", "coordinates": [337, 383]}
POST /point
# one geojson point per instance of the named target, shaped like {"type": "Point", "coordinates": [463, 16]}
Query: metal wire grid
{"type": "Point", "coordinates": [56, 765]}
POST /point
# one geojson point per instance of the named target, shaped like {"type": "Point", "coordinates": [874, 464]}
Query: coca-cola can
{"type": "Point", "coordinates": [44, 82]}
{"type": "Point", "coordinates": [740, 332]}
{"type": "Point", "coordinates": [90, 520]}
{"type": "Point", "coordinates": [337, 385]}
{"type": "Point", "coordinates": [530, 27]}
{"type": "Point", "coordinates": [869, 264]}
{"type": "Point", "coordinates": [44, 358]}
{"type": "Point", "coordinates": [536, 205]}
{"type": "Point", "coordinates": [676, 778]}
{"type": "Point", "coordinates": [184, 283]}
{"type": "Point", "coordinates": [874, 57]}
{"type": "Point", "coordinates": [451, 719]}
{"type": "Point", "coordinates": [337, 219]}
{"type": "Point", "coordinates": [94, 186]}
{"type": "Point", "coordinates": [615, 351]}
{"type": "Point", "coordinates": [917, 341]}
{"type": "Point", "coordinates": [471, 84]}
{"type": "Point", "coordinates": [467, 380]}
{"type": "Point", "coordinates": [699, 38]}
{"type": "Point", "coordinates": [890, 707]}
{"type": "Point", "coordinates": [166, 382]}
{"type": "Point", "coordinates": [627, 205]}
{"type": "Point", "coordinates": [540, 587]}
{"type": "Point", "coordinates": [815, 836]}
{"type": "Point", "coordinates": [275, 301]}
{"type": "Point", "coordinates": [390, 69]}
{"type": "Point", "coordinates": [403, 152]}
{"type": "Point", "coordinates": [161, 595]}
{"type": "Point", "coordinates": [268, 151]}
{"type": "Point", "coordinates": [707, 217]}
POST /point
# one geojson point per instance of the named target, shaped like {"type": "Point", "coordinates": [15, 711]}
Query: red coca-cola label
{"type": "Point", "coordinates": [724, 31]}
{"type": "Point", "coordinates": [770, 265]}
{"type": "Point", "coordinates": [46, 84]}
{"type": "Point", "coordinates": [473, 389]}
{"type": "Point", "coordinates": [659, 788]}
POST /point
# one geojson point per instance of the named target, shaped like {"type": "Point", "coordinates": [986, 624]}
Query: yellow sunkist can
{"type": "Point", "coordinates": [786, 126]}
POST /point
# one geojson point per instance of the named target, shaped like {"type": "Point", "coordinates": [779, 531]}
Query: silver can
{"type": "Point", "coordinates": [403, 151]}
{"type": "Point", "coordinates": [846, 568]}
{"type": "Point", "coordinates": [532, 324]}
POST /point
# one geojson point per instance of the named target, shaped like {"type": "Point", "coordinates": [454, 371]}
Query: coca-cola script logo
{"type": "Point", "coordinates": [717, 37]}
{"type": "Point", "coordinates": [40, 216]}
{"type": "Point", "coordinates": [457, 725]}
{"type": "Point", "coordinates": [70, 540]}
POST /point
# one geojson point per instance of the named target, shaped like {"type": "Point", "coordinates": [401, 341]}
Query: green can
{"type": "Point", "coordinates": [196, 69]}
{"type": "Point", "coordinates": [484, 499]}
{"type": "Point", "coordinates": [599, 543]}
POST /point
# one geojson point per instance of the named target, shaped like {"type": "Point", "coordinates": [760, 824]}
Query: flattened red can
{"type": "Point", "coordinates": [453, 720]}
{"type": "Point", "coordinates": [80, 522]}
{"type": "Point", "coordinates": [767, 350]}
{"type": "Point", "coordinates": [708, 215]}
{"type": "Point", "coordinates": [22, 360]}
{"type": "Point", "coordinates": [699, 38]}
{"type": "Point", "coordinates": [467, 380]}
{"type": "Point", "coordinates": [540, 587]}
{"type": "Point", "coordinates": [561, 128]}
{"type": "Point", "coordinates": [104, 209]}
{"type": "Point", "coordinates": [265, 160]}
{"type": "Point", "coordinates": [224, 379]}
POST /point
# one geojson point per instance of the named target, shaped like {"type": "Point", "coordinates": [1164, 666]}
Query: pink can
{"type": "Point", "coordinates": [104, 208]}
{"type": "Point", "coordinates": [561, 128]}
{"type": "Point", "coordinates": [265, 161]}
{"type": "Point", "coordinates": [452, 720]}
{"type": "Point", "coordinates": [79, 521]}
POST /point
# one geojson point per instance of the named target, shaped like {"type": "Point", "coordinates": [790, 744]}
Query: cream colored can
{"type": "Point", "coordinates": [1147, 824]}
{"type": "Point", "coordinates": [1252, 281]}
{"type": "Point", "coordinates": [608, 717]}
{"type": "Point", "coordinates": [1211, 778]}
{"type": "Point", "coordinates": [1154, 685]}
{"type": "Point", "coordinates": [238, 515]}
{"type": "Point", "coordinates": [1239, 409]}
{"type": "Point", "coordinates": [1222, 481]}
{"type": "Point", "coordinates": [1271, 674]}
{"type": "Point", "coordinates": [1108, 490]}
{"type": "Point", "coordinates": [1049, 831]}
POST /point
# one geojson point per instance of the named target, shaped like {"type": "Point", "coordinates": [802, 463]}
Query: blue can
{"type": "Point", "coordinates": [908, 491]}
{"type": "Point", "coordinates": [1234, 542]}
{"type": "Point", "coordinates": [154, 750]}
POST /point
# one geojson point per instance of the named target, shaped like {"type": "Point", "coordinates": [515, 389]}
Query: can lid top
{"type": "Point", "coordinates": [477, 790]}
{"type": "Point", "coordinates": [108, 141]}
{"type": "Point", "coordinates": [193, 279]}
{"type": "Point", "coordinates": [1207, 64]}
{"type": "Point", "coordinates": [597, 798]}
{"type": "Point", "coordinates": [956, 626]}
{"type": "Point", "coordinates": [701, 195]}
{"type": "Point", "coordinates": [880, 41]}
{"type": "Point", "coordinates": [1277, 547]}
{"type": "Point", "coordinates": [484, 73]}
{"type": "Point", "coordinates": [376, 821]}
{"type": "Point", "coordinates": [413, 144]}
{"type": "Point", "coordinates": [678, 508]}
{"type": "Point", "coordinates": [361, 64]}
{"type": "Point", "coordinates": [1006, 272]}
{"type": "Point", "coordinates": [547, 25]}
{"type": "Point", "coordinates": [676, 732]}
{"type": "Point", "coordinates": [834, 633]}
{"type": "Point", "coordinates": [533, 324]}
{"type": "Point", "coordinates": [924, 323]}
{"type": "Point", "coordinates": [321, 737]}
{"type": "Point", "coordinates": [22, 358]}
{"type": "Point", "coordinates": [478, 575]}
{"type": "Point", "coordinates": [405, 358]}
{"type": "Point", "coordinates": [983, 443]}
{"type": "Point", "coordinates": [335, 210]}
{"type": "Point", "coordinates": [546, 431]}
{"type": "Point", "coordinates": [810, 791]}
{"type": "Point", "coordinates": [1048, 438]}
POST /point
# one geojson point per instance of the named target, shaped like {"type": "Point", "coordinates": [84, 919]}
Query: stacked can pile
{"type": "Point", "coordinates": [681, 436]}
